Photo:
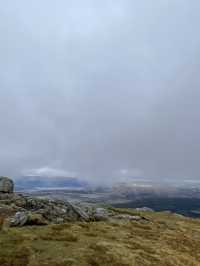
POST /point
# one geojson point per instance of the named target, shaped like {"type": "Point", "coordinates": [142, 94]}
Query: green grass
{"type": "Point", "coordinates": [163, 239]}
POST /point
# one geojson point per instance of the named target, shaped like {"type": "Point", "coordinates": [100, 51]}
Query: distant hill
{"type": "Point", "coordinates": [185, 206]}
{"type": "Point", "coordinates": [40, 182]}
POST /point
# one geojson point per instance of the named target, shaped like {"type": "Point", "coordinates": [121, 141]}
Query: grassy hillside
{"type": "Point", "coordinates": [162, 239]}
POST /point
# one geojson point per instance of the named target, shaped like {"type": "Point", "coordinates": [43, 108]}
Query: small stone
{"type": "Point", "coordinates": [128, 217]}
{"type": "Point", "coordinates": [59, 220]}
{"type": "Point", "coordinates": [144, 209]}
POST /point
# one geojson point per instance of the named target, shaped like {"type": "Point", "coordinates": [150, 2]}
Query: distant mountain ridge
{"type": "Point", "coordinates": [35, 182]}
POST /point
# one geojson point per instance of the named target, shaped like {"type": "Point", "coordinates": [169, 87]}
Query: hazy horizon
{"type": "Point", "coordinates": [103, 90]}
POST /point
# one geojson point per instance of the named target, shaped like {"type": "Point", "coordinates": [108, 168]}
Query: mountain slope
{"type": "Point", "coordinates": [160, 239]}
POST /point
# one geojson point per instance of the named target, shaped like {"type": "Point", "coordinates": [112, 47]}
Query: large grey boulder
{"type": "Point", "coordinates": [22, 218]}
{"type": "Point", "coordinates": [19, 219]}
{"type": "Point", "coordinates": [101, 214]}
{"type": "Point", "coordinates": [79, 212]}
{"type": "Point", "coordinates": [6, 185]}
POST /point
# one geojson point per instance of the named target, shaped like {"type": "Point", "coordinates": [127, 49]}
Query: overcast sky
{"type": "Point", "coordinates": [102, 90]}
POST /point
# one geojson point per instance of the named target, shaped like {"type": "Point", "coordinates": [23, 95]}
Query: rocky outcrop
{"type": "Point", "coordinates": [20, 210]}
{"type": "Point", "coordinates": [26, 218]}
{"type": "Point", "coordinates": [6, 185]}
{"type": "Point", "coordinates": [53, 211]}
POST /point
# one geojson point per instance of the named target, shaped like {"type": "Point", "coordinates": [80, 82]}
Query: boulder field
{"type": "Point", "coordinates": [18, 210]}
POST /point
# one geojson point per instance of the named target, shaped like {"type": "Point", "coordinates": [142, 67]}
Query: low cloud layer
{"type": "Point", "coordinates": [105, 90]}
{"type": "Point", "coordinates": [48, 172]}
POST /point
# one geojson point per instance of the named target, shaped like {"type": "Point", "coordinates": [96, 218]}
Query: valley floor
{"type": "Point", "coordinates": [162, 239]}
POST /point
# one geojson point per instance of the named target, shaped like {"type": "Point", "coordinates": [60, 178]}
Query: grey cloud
{"type": "Point", "coordinates": [95, 88]}
{"type": "Point", "coordinates": [48, 172]}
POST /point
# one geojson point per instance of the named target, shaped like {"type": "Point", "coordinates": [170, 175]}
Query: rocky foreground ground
{"type": "Point", "coordinates": [20, 210]}
{"type": "Point", "coordinates": [38, 232]}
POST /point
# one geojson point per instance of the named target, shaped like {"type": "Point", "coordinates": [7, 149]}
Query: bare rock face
{"type": "Point", "coordinates": [6, 185]}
